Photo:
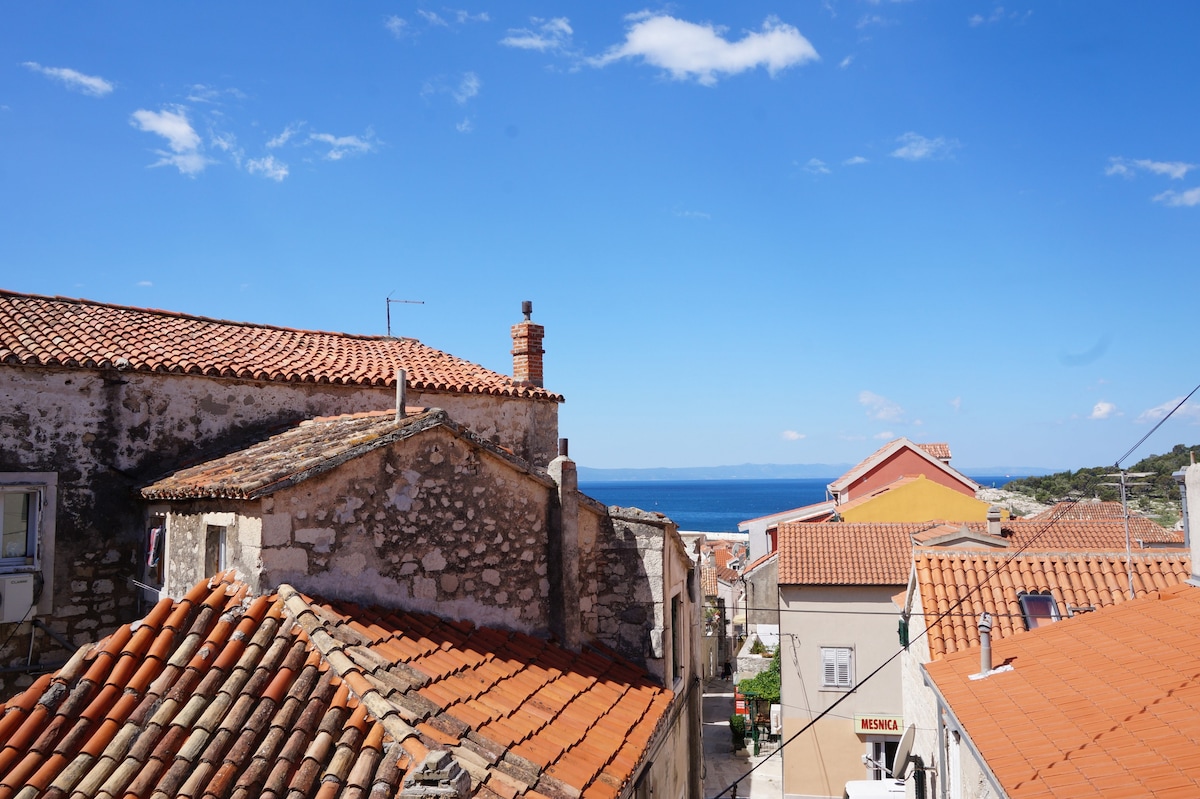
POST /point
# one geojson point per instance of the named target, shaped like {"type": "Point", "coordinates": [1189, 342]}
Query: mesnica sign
{"type": "Point", "coordinates": [875, 725]}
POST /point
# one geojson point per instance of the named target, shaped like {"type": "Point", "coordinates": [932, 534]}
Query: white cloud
{"type": "Point", "coordinates": [693, 214]}
{"type": "Point", "coordinates": [854, 161]}
{"type": "Point", "coordinates": [1177, 199]}
{"type": "Point", "coordinates": [792, 435]}
{"type": "Point", "coordinates": [397, 26]}
{"type": "Point", "coordinates": [468, 87]}
{"type": "Point", "coordinates": [845, 62]}
{"type": "Point", "coordinates": [689, 50]}
{"type": "Point", "coordinates": [914, 147]}
{"type": "Point", "coordinates": [1102, 410]}
{"type": "Point", "coordinates": [268, 167]}
{"type": "Point", "coordinates": [978, 19]}
{"type": "Point", "coordinates": [462, 17]}
{"type": "Point", "coordinates": [1189, 410]}
{"type": "Point", "coordinates": [287, 133]}
{"type": "Point", "coordinates": [816, 166]}
{"type": "Point", "coordinates": [145, 284]}
{"type": "Point", "coordinates": [199, 93]}
{"type": "Point", "coordinates": [546, 34]}
{"type": "Point", "coordinates": [879, 407]}
{"type": "Point", "coordinates": [185, 144]}
{"type": "Point", "coordinates": [466, 126]}
{"type": "Point", "coordinates": [1126, 167]}
{"type": "Point", "coordinates": [956, 404]}
{"type": "Point", "coordinates": [886, 435]}
{"type": "Point", "coordinates": [77, 81]}
{"type": "Point", "coordinates": [432, 18]}
{"type": "Point", "coordinates": [872, 19]}
{"type": "Point", "coordinates": [341, 146]}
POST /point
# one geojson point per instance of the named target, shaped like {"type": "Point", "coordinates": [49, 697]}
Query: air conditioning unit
{"type": "Point", "coordinates": [16, 597]}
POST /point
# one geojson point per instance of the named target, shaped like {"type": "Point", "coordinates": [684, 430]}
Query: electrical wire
{"type": "Point", "coordinates": [1060, 511]}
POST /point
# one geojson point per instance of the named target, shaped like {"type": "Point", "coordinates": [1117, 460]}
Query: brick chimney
{"type": "Point", "coordinates": [527, 349]}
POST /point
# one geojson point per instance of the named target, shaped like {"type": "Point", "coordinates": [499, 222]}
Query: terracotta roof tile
{"type": "Point", "coordinates": [1085, 710]}
{"type": "Point", "coordinates": [244, 702]}
{"type": "Point", "coordinates": [1079, 581]}
{"type": "Point", "coordinates": [871, 553]}
{"type": "Point", "coordinates": [73, 333]}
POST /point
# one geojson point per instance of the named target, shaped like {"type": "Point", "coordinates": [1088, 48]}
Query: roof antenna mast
{"type": "Point", "coordinates": [389, 310]}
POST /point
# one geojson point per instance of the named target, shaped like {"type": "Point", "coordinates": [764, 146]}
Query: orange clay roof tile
{"type": "Point", "coordinates": [73, 333]}
{"type": "Point", "coordinates": [1077, 581]}
{"type": "Point", "coordinates": [1086, 709]}
{"type": "Point", "coordinates": [261, 710]}
{"type": "Point", "coordinates": [874, 553]}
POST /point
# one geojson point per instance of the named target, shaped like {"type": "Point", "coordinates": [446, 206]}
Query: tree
{"type": "Point", "coordinates": [764, 686]}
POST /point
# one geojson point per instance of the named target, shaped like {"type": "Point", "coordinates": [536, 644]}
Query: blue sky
{"type": "Point", "coordinates": [755, 232]}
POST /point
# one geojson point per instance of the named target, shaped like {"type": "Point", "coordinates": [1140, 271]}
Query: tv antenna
{"type": "Point", "coordinates": [1125, 484]}
{"type": "Point", "coordinates": [389, 310]}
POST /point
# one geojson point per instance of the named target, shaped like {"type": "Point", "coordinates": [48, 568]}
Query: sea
{"type": "Point", "coordinates": [717, 506]}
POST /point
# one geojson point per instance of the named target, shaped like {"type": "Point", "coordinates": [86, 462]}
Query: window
{"type": "Point", "coordinates": [214, 550]}
{"type": "Point", "coordinates": [676, 640]}
{"type": "Point", "coordinates": [1038, 610]}
{"type": "Point", "coordinates": [18, 546]}
{"type": "Point", "coordinates": [837, 667]}
{"type": "Point", "coordinates": [28, 502]}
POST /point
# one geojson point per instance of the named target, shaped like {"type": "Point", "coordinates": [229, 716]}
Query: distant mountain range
{"type": "Point", "coordinates": [767, 471]}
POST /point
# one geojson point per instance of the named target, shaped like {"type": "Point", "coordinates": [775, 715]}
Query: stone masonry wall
{"type": "Point", "coordinates": [431, 523]}
{"type": "Point", "coordinates": [105, 433]}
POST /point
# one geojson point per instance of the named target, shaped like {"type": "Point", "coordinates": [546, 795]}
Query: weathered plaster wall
{"type": "Point", "coordinates": [105, 433]}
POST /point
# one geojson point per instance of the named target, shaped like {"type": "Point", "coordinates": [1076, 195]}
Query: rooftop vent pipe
{"type": "Point", "coordinates": [985, 643]}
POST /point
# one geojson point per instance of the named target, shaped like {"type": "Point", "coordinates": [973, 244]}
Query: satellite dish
{"type": "Point", "coordinates": [900, 761]}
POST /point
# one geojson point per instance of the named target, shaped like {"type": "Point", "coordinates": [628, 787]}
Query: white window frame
{"type": "Point", "coordinates": [44, 487]}
{"type": "Point", "coordinates": [837, 668]}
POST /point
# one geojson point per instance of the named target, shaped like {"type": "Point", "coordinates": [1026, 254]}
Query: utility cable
{"type": "Point", "coordinates": [1061, 510]}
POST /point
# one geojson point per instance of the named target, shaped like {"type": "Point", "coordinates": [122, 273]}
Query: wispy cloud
{"type": "Point", "coordinates": [1189, 410]}
{"type": "Point", "coordinates": [687, 50]}
{"type": "Point", "coordinates": [1178, 199]}
{"type": "Point", "coordinates": [856, 160]}
{"type": "Point", "coordinates": [885, 435]}
{"type": "Point", "coordinates": [1128, 167]}
{"type": "Point", "coordinates": [397, 26]}
{"type": "Point", "coordinates": [76, 81]}
{"type": "Point", "coordinates": [914, 147]}
{"type": "Point", "coordinates": [401, 28]}
{"type": "Point", "coordinates": [468, 87]}
{"type": "Point", "coordinates": [285, 135]}
{"type": "Point", "coordinates": [880, 408]}
{"type": "Point", "coordinates": [145, 284]}
{"type": "Point", "coordinates": [200, 93]}
{"type": "Point", "coordinates": [466, 126]}
{"type": "Point", "coordinates": [543, 35]}
{"type": "Point", "coordinates": [998, 14]}
{"type": "Point", "coordinates": [956, 404]}
{"type": "Point", "coordinates": [845, 62]}
{"type": "Point", "coordinates": [1102, 410]}
{"type": "Point", "coordinates": [693, 214]}
{"type": "Point", "coordinates": [269, 167]}
{"type": "Point", "coordinates": [342, 146]}
{"type": "Point", "coordinates": [816, 166]}
{"type": "Point", "coordinates": [792, 435]}
{"type": "Point", "coordinates": [186, 148]}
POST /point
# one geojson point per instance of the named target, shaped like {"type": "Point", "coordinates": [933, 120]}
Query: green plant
{"type": "Point", "coordinates": [758, 648]}
{"type": "Point", "coordinates": [765, 685]}
{"type": "Point", "coordinates": [737, 729]}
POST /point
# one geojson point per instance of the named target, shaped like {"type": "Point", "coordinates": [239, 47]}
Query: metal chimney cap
{"type": "Point", "coordinates": [527, 308]}
{"type": "Point", "coordinates": [985, 622]}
